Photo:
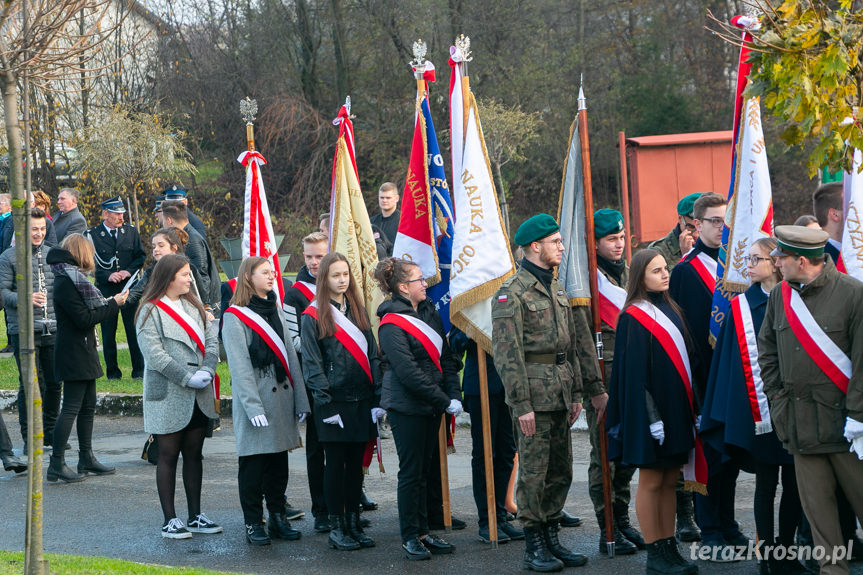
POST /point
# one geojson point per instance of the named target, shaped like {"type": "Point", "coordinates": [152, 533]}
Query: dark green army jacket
{"type": "Point", "coordinates": [808, 410]}
{"type": "Point", "coordinates": [528, 323]}
{"type": "Point", "coordinates": [669, 247]}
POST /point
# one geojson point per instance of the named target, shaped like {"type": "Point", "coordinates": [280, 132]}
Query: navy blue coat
{"type": "Point", "coordinates": [726, 420]}
{"type": "Point", "coordinates": [461, 344]}
{"type": "Point", "coordinates": [641, 364]}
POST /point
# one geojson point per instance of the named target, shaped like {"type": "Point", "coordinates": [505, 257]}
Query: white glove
{"type": "Point", "coordinates": [853, 429]}
{"type": "Point", "coordinates": [857, 447]}
{"type": "Point", "coordinates": [335, 420]}
{"type": "Point", "coordinates": [377, 413]}
{"type": "Point", "coordinates": [200, 380]}
{"type": "Point", "coordinates": [698, 423]}
{"type": "Point", "coordinates": [260, 421]}
{"type": "Point", "coordinates": [303, 416]}
{"type": "Point", "coordinates": [454, 407]}
{"type": "Point", "coordinates": [657, 431]}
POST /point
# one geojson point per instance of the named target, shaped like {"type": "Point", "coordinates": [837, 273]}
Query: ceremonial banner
{"type": "Point", "coordinates": [573, 271]}
{"type": "Point", "coordinates": [350, 228]}
{"type": "Point", "coordinates": [852, 232]}
{"type": "Point", "coordinates": [258, 236]}
{"type": "Point", "coordinates": [481, 260]}
{"type": "Point", "coordinates": [750, 204]}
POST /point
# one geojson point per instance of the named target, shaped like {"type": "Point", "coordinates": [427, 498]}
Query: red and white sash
{"type": "Point", "coordinates": [260, 326]}
{"type": "Point", "coordinates": [706, 268]}
{"type": "Point", "coordinates": [747, 342]}
{"type": "Point", "coordinates": [823, 350]}
{"type": "Point", "coordinates": [611, 300]}
{"type": "Point", "coordinates": [307, 289]}
{"type": "Point", "coordinates": [427, 336]}
{"type": "Point", "coordinates": [195, 334]}
{"type": "Point", "coordinates": [349, 335]}
{"type": "Point", "coordinates": [672, 342]}
{"type": "Point", "coordinates": [232, 283]}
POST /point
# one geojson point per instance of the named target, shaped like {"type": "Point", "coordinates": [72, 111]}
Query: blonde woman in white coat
{"type": "Point", "coordinates": [269, 397]}
{"type": "Point", "coordinates": [178, 386]}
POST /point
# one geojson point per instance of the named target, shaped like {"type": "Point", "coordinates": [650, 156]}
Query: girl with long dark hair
{"type": "Point", "coordinates": [650, 416]}
{"type": "Point", "coordinates": [342, 370]}
{"type": "Point", "coordinates": [181, 350]}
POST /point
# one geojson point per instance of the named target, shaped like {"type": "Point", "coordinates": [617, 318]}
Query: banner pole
{"type": "Point", "coordinates": [486, 447]}
{"type": "Point", "coordinates": [444, 475]}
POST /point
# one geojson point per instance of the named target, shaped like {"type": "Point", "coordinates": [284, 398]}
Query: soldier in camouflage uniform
{"type": "Point", "coordinates": [543, 351]}
{"type": "Point", "coordinates": [682, 237]}
{"type": "Point", "coordinates": [610, 241]}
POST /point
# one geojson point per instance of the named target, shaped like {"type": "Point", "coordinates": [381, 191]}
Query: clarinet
{"type": "Point", "coordinates": [45, 325]}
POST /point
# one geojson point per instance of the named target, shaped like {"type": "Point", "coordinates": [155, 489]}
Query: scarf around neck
{"type": "Point", "coordinates": [91, 296]}
{"type": "Point", "coordinates": [261, 355]}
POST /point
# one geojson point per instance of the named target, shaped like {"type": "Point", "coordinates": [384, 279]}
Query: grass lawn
{"type": "Point", "coordinates": [12, 563]}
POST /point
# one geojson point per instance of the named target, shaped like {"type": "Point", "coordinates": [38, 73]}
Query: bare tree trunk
{"type": "Point", "coordinates": [85, 92]}
{"type": "Point", "coordinates": [308, 52]}
{"type": "Point", "coordinates": [501, 198]}
{"type": "Point", "coordinates": [343, 78]}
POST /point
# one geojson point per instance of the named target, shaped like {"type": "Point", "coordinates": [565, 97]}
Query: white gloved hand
{"type": "Point", "coordinates": [857, 447]}
{"type": "Point", "coordinates": [698, 423]}
{"type": "Point", "coordinates": [303, 416]}
{"type": "Point", "coordinates": [454, 407]}
{"type": "Point", "coordinates": [200, 380]}
{"type": "Point", "coordinates": [260, 421]}
{"type": "Point", "coordinates": [657, 431]}
{"type": "Point", "coordinates": [853, 429]}
{"type": "Point", "coordinates": [335, 420]}
{"type": "Point", "coordinates": [377, 413]}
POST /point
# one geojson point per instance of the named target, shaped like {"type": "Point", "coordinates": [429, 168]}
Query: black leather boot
{"type": "Point", "coordinates": [12, 463]}
{"type": "Point", "coordinates": [659, 562]}
{"type": "Point", "coordinates": [569, 557]}
{"type": "Point", "coordinates": [58, 470]}
{"type": "Point", "coordinates": [280, 528]}
{"type": "Point", "coordinates": [672, 552]}
{"type": "Point", "coordinates": [537, 557]}
{"type": "Point", "coordinates": [88, 464]}
{"type": "Point", "coordinates": [622, 546]}
{"type": "Point", "coordinates": [687, 530]}
{"type": "Point", "coordinates": [622, 523]}
{"type": "Point", "coordinates": [257, 535]}
{"type": "Point", "coordinates": [366, 502]}
{"type": "Point", "coordinates": [355, 530]}
{"type": "Point", "coordinates": [339, 536]}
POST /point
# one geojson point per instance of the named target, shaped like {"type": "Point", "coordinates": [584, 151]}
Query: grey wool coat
{"type": "Point", "coordinates": [171, 358]}
{"type": "Point", "coordinates": [256, 392]}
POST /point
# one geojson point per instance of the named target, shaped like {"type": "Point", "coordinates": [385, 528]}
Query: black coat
{"type": "Point", "coordinates": [338, 384]}
{"type": "Point", "coordinates": [412, 383]}
{"type": "Point", "coordinates": [462, 344]}
{"type": "Point", "coordinates": [75, 355]}
{"type": "Point", "coordinates": [126, 253]}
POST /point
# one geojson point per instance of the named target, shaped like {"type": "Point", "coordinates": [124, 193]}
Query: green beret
{"type": "Point", "coordinates": [684, 206]}
{"type": "Point", "coordinates": [606, 222]}
{"type": "Point", "coordinates": [535, 228]}
{"type": "Point", "coordinates": [800, 241]}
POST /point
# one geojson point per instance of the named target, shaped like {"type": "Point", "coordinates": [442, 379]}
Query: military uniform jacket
{"type": "Point", "coordinates": [126, 253]}
{"type": "Point", "coordinates": [669, 247]}
{"type": "Point", "coordinates": [529, 322]}
{"type": "Point", "coordinates": [808, 410]}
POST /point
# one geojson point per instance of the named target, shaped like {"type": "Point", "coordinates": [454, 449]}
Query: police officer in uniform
{"type": "Point", "coordinates": [177, 193]}
{"type": "Point", "coordinates": [119, 254]}
{"type": "Point", "coordinates": [543, 351]}
{"type": "Point", "coordinates": [682, 237]}
{"type": "Point", "coordinates": [816, 408]}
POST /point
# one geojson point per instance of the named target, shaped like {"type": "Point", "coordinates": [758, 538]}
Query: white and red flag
{"type": "Point", "coordinates": [851, 256]}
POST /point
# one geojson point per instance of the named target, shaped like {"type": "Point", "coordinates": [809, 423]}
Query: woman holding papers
{"type": "Point", "coordinates": [420, 383]}
{"type": "Point", "coordinates": [79, 307]}
{"type": "Point", "coordinates": [342, 372]}
{"type": "Point", "coordinates": [180, 349]}
{"type": "Point", "coordinates": [650, 416]}
{"type": "Point", "coordinates": [268, 397]}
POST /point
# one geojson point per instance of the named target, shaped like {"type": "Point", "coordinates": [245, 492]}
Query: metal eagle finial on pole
{"type": "Point", "coordinates": [248, 109]}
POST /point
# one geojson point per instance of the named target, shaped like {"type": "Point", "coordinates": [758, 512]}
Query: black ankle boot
{"type": "Point", "coordinates": [569, 557]}
{"type": "Point", "coordinates": [630, 533]}
{"type": "Point", "coordinates": [659, 562]}
{"type": "Point", "coordinates": [622, 546]}
{"type": "Point", "coordinates": [12, 463]}
{"type": "Point", "coordinates": [366, 502]}
{"type": "Point", "coordinates": [356, 532]}
{"type": "Point", "coordinates": [673, 554]}
{"type": "Point", "coordinates": [87, 463]}
{"type": "Point", "coordinates": [280, 528]}
{"type": "Point", "coordinates": [58, 470]}
{"type": "Point", "coordinates": [339, 536]}
{"type": "Point", "coordinates": [687, 530]}
{"type": "Point", "coordinates": [537, 557]}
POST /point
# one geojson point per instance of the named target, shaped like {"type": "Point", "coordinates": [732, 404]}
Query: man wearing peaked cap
{"type": "Point", "coordinates": [175, 192]}
{"type": "Point", "coordinates": [809, 349]}
{"type": "Point", "coordinates": [544, 354]}
{"type": "Point", "coordinates": [118, 255]}
{"type": "Point", "coordinates": [683, 236]}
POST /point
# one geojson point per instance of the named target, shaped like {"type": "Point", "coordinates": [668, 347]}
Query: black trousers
{"type": "Point", "coordinates": [262, 476]}
{"type": "Point", "coordinates": [79, 402]}
{"type": "Point", "coordinates": [5, 440]}
{"type": "Point", "coordinates": [502, 453]}
{"type": "Point", "coordinates": [109, 336]}
{"type": "Point", "coordinates": [714, 512]}
{"type": "Point", "coordinates": [343, 476]}
{"type": "Point", "coordinates": [49, 387]}
{"type": "Point", "coordinates": [415, 437]}
{"type": "Point", "coordinates": [790, 509]}
{"type": "Point", "coordinates": [315, 465]}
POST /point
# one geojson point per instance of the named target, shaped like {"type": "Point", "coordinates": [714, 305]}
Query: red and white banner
{"type": "Point", "coordinates": [423, 332]}
{"type": "Point", "coordinates": [611, 299]}
{"type": "Point", "coordinates": [817, 344]}
{"type": "Point", "coordinates": [851, 256]}
{"type": "Point", "coordinates": [706, 268]}
{"type": "Point", "coordinates": [260, 326]}
{"type": "Point", "coordinates": [349, 335]}
{"type": "Point", "coordinates": [672, 342]}
{"type": "Point", "coordinates": [258, 236]}
{"type": "Point", "coordinates": [747, 342]}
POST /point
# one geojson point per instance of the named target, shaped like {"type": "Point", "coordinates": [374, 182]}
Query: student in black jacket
{"type": "Point", "coordinates": [79, 307]}
{"type": "Point", "coordinates": [421, 382]}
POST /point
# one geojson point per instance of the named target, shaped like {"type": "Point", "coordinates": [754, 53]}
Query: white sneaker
{"type": "Point", "coordinates": [174, 529]}
{"type": "Point", "coordinates": [202, 524]}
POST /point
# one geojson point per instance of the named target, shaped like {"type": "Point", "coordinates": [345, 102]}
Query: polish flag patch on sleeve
{"type": "Point", "coordinates": [501, 298]}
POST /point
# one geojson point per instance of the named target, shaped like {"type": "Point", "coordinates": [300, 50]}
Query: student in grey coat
{"type": "Point", "coordinates": [267, 399]}
{"type": "Point", "coordinates": [178, 386]}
